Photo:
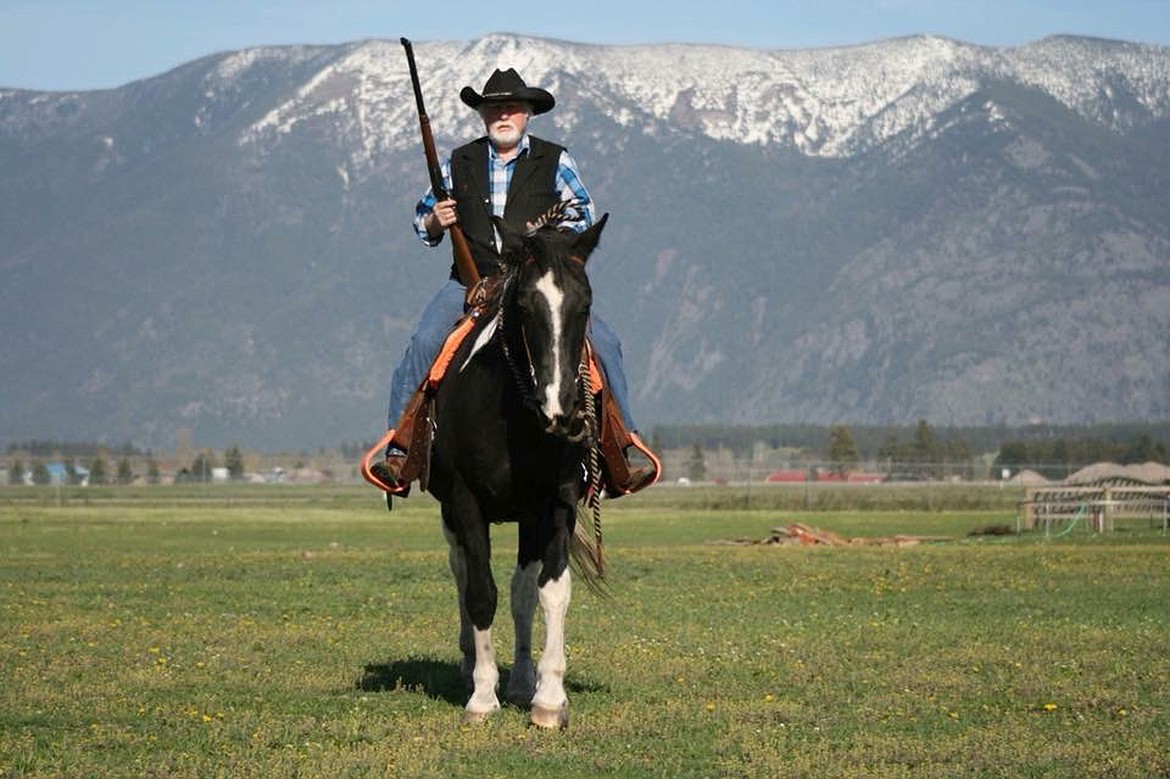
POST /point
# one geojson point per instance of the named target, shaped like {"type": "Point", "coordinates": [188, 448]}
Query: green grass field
{"type": "Point", "coordinates": [157, 633]}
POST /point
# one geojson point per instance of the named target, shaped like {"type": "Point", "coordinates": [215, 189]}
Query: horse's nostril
{"type": "Point", "coordinates": [559, 425]}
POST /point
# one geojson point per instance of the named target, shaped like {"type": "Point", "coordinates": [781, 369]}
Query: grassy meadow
{"type": "Point", "coordinates": [305, 632]}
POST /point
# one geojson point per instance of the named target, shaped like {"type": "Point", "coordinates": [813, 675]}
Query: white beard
{"type": "Point", "coordinates": [505, 136]}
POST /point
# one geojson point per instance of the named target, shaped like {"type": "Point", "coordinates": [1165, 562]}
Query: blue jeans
{"type": "Point", "coordinates": [441, 314]}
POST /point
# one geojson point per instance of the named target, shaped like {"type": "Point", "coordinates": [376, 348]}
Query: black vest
{"type": "Point", "coordinates": [531, 192]}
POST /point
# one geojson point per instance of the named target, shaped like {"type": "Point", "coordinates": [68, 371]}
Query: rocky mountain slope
{"type": "Point", "coordinates": [916, 228]}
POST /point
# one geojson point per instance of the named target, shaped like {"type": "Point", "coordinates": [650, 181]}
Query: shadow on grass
{"type": "Point", "coordinates": [439, 679]}
{"type": "Point", "coordinates": [434, 678]}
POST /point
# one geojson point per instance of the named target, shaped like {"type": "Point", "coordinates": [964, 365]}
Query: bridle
{"type": "Point", "coordinates": [525, 380]}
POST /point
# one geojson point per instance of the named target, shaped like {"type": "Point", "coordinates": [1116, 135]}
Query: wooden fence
{"type": "Point", "coordinates": [1100, 506]}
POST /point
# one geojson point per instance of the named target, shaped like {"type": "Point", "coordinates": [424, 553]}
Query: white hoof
{"type": "Point", "coordinates": [477, 717]}
{"type": "Point", "coordinates": [551, 719]}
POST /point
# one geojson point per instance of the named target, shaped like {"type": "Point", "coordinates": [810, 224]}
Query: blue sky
{"type": "Point", "coordinates": [88, 44]}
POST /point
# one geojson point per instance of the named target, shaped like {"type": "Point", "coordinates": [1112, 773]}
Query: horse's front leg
{"type": "Point", "coordinates": [469, 554]}
{"type": "Point", "coordinates": [457, 561]}
{"type": "Point", "coordinates": [522, 680]}
{"type": "Point", "coordinates": [550, 705]}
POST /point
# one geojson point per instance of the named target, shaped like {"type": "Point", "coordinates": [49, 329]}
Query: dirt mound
{"type": "Point", "coordinates": [1147, 473]}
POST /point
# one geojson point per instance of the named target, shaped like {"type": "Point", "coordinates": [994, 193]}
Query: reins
{"type": "Point", "coordinates": [592, 500]}
{"type": "Point", "coordinates": [590, 435]}
{"type": "Point", "coordinates": [525, 383]}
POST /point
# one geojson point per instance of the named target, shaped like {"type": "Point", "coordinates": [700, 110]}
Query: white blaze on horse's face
{"type": "Point", "coordinates": [550, 394]}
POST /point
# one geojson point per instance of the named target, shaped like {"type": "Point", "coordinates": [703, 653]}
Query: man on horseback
{"type": "Point", "coordinates": [510, 174]}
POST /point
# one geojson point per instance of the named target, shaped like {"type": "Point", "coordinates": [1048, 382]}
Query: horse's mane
{"type": "Point", "coordinates": [518, 247]}
{"type": "Point", "coordinates": [557, 214]}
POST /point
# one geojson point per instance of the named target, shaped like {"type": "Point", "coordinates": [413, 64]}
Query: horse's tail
{"type": "Point", "coordinates": [587, 562]}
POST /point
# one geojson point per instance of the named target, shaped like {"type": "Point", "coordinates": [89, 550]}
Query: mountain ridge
{"type": "Point", "coordinates": [873, 234]}
{"type": "Point", "coordinates": [777, 80]}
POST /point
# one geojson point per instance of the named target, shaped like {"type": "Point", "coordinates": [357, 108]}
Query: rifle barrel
{"type": "Point", "coordinates": [464, 263]}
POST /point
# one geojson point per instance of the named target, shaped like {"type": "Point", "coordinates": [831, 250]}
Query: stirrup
{"type": "Point", "coordinates": [642, 476]}
{"type": "Point", "coordinates": [378, 476]}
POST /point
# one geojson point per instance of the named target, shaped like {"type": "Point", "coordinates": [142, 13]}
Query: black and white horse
{"type": "Point", "coordinates": [511, 436]}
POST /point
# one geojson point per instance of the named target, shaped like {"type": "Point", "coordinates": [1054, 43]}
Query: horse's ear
{"type": "Point", "coordinates": [512, 240]}
{"type": "Point", "coordinates": [586, 242]}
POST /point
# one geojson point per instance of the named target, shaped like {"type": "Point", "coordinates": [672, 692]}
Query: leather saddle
{"type": "Point", "coordinates": [415, 430]}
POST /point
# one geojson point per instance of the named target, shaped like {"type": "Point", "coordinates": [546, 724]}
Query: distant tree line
{"type": "Point", "coordinates": [202, 468]}
{"type": "Point", "coordinates": [923, 442]}
{"type": "Point", "coordinates": [925, 454]}
{"type": "Point", "coordinates": [82, 449]}
{"type": "Point", "coordinates": [1055, 457]}
{"type": "Point", "coordinates": [909, 451]}
{"type": "Point", "coordinates": [96, 470]}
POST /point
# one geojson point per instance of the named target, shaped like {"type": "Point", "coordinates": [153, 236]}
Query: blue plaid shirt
{"type": "Point", "coordinates": [568, 183]}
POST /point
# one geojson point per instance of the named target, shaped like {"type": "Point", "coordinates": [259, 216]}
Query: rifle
{"type": "Point", "coordinates": [464, 264]}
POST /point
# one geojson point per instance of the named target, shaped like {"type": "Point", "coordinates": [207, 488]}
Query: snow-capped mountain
{"type": "Point", "coordinates": [825, 103]}
{"type": "Point", "coordinates": [913, 228]}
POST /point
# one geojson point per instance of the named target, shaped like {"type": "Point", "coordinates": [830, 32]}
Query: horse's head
{"type": "Point", "coordinates": [550, 302]}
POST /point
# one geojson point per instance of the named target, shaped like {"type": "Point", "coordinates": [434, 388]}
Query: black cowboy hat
{"type": "Point", "coordinates": [507, 85]}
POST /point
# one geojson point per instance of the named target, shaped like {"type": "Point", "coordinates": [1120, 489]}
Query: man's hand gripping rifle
{"type": "Point", "coordinates": [468, 274]}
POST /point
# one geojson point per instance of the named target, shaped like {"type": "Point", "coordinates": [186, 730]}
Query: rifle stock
{"type": "Point", "coordinates": [464, 264]}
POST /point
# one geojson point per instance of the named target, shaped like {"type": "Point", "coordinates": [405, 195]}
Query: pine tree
{"type": "Point", "coordinates": [125, 473]}
{"type": "Point", "coordinates": [925, 448]}
{"type": "Point", "coordinates": [98, 472]}
{"type": "Point", "coordinates": [201, 468]}
{"type": "Point", "coordinates": [842, 450]}
{"type": "Point", "coordinates": [233, 460]}
{"type": "Point", "coordinates": [697, 466]}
